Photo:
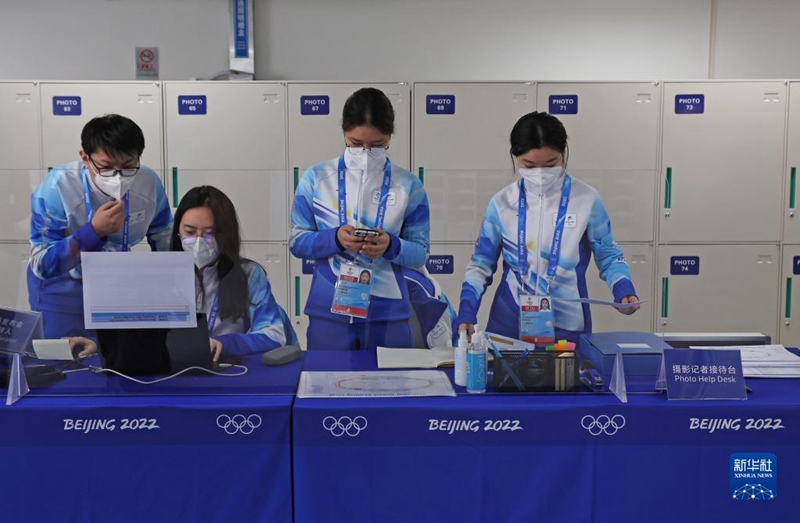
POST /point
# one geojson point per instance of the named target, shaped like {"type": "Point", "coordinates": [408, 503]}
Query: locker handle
{"type": "Point", "coordinates": [668, 190]}
{"type": "Point", "coordinates": [788, 305]}
{"type": "Point", "coordinates": [296, 178]}
{"type": "Point", "coordinates": [664, 297]}
{"type": "Point", "coordinates": [297, 295]}
{"type": "Point", "coordinates": [175, 187]}
{"type": "Point", "coordinates": [422, 175]}
{"type": "Point", "coordinates": [792, 187]}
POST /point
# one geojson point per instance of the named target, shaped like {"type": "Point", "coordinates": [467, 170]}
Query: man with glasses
{"type": "Point", "coordinates": [106, 201]}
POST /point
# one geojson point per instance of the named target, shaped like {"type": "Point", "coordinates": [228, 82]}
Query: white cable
{"type": "Point", "coordinates": [98, 369]}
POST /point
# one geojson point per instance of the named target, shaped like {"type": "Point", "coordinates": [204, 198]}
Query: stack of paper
{"type": "Point", "coordinates": [766, 361]}
{"type": "Point", "coordinates": [394, 358]}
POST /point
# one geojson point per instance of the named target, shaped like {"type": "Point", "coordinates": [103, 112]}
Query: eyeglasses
{"type": "Point", "coordinates": [108, 173]}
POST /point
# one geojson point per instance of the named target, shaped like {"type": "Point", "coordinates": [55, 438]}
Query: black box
{"type": "Point", "coordinates": [541, 371]}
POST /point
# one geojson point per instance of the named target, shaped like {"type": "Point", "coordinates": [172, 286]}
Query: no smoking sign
{"type": "Point", "coordinates": [147, 63]}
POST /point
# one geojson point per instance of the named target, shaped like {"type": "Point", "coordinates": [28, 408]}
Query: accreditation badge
{"type": "Point", "coordinates": [353, 290]}
{"type": "Point", "coordinates": [536, 320]}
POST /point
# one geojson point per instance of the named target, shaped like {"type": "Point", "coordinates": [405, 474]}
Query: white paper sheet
{"type": "Point", "coordinates": [373, 384]}
{"type": "Point", "coordinates": [141, 290]}
{"type": "Point", "coordinates": [394, 358]}
{"type": "Point", "coordinates": [592, 301]}
{"type": "Point", "coordinates": [52, 350]}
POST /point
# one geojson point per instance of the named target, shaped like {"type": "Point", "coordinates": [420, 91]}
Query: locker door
{"type": "Point", "coordinates": [315, 135]}
{"type": "Point", "coordinates": [620, 163]}
{"type": "Point", "coordinates": [447, 264]}
{"type": "Point", "coordinates": [300, 275]}
{"type": "Point", "coordinates": [723, 146]}
{"type": "Point", "coordinates": [13, 267]}
{"type": "Point", "coordinates": [231, 136]}
{"type": "Point", "coordinates": [20, 156]}
{"type": "Point", "coordinates": [461, 149]}
{"type": "Point", "coordinates": [67, 107]}
{"type": "Point", "coordinates": [791, 228]}
{"type": "Point", "coordinates": [790, 297]}
{"type": "Point", "coordinates": [641, 260]}
{"type": "Point", "coordinates": [273, 257]}
{"type": "Point", "coordinates": [717, 288]}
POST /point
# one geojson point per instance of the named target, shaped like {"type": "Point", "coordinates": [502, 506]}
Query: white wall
{"type": "Point", "coordinates": [424, 40]}
{"type": "Point", "coordinates": [96, 39]}
{"type": "Point", "coordinates": [757, 39]}
{"type": "Point", "coordinates": [409, 40]}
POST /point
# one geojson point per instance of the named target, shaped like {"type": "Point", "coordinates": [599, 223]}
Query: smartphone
{"type": "Point", "coordinates": [366, 233]}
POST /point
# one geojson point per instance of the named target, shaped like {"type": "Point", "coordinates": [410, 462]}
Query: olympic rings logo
{"type": "Point", "coordinates": [603, 424]}
{"type": "Point", "coordinates": [344, 425]}
{"type": "Point", "coordinates": [239, 423]}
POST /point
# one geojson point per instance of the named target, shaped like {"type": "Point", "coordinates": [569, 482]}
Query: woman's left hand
{"type": "Point", "coordinates": [88, 346]}
{"type": "Point", "coordinates": [374, 247]}
{"type": "Point", "coordinates": [629, 310]}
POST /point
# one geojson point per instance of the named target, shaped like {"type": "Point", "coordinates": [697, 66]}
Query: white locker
{"type": "Point", "coordinates": [13, 282]}
{"type": "Point", "coordinates": [231, 135]}
{"type": "Point", "coordinates": [641, 261]}
{"type": "Point", "coordinates": [316, 135]}
{"type": "Point", "coordinates": [20, 156]}
{"type": "Point", "coordinates": [791, 227]}
{"type": "Point", "coordinates": [461, 149]}
{"type": "Point", "coordinates": [717, 288]}
{"type": "Point", "coordinates": [723, 154]}
{"type": "Point", "coordinates": [68, 106]}
{"type": "Point", "coordinates": [790, 297]}
{"type": "Point", "coordinates": [300, 275]}
{"type": "Point", "coordinates": [448, 263]}
{"type": "Point", "coordinates": [613, 146]}
{"type": "Point", "coordinates": [273, 257]}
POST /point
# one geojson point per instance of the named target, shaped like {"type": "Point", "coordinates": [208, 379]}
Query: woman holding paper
{"type": "Point", "coordinates": [547, 225]}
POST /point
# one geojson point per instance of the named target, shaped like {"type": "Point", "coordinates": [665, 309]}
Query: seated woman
{"type": "Point", "coordinates": [234, 292]}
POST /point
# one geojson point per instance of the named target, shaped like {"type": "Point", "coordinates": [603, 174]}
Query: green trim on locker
{"type": "Point", "coordinates": [792, 187]}
{"type": "Point", "coordinates": [668, 189]}
{"type": "Point", "coordinates": [664, 297]}
{"type": "Point", "coordinates": [422, 175]}
{"type": "Point", "coordinates": [296, 177]}
{"type": "Point", "coordinates": [788, 311]}
{"type": "Point", "coordinates": [175, 187]}
{"type": "Point", "coordinates": [297, 295]}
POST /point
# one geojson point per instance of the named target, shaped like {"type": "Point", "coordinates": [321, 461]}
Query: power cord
{"type": "Point", "coordinates": [165, 378]}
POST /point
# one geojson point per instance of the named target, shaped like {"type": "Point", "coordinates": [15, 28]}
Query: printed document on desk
{"type": "Point", "coordinates": [765, 361]}
{"type": "Point", "coordinates": [374, 384]}
{"type": "Point", "coordinates": [138, 290]}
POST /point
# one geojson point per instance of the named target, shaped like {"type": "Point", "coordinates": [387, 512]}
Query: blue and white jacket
{"type": "Point", "coordinates": [315, 221]}
{"type": "Point", "coordinates": [268, 326]}
{"type": "Point", "coordinates": [60, 232]}
{"type": "Point", "coordinates": [587, 231]}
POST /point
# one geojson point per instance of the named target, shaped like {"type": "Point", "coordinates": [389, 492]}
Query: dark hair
{"type": "Point", "coordinates": [113, 134]}
{"type": "Point", "coordinates": [368, 106]}
{"type": "Point", "coordinates": [233, 295]}
{"type": "Point", "coordinates": [536, 130]}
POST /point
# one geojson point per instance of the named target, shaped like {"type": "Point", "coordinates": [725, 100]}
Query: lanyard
{"type": "Point", "coordinates": [212, 316]}
{"type": "Point", "coordinates": [387, 181]}
{"type": "Point", "coordinates": [555, 248]}
{"type": "Point", "coordinates": [90, 212]}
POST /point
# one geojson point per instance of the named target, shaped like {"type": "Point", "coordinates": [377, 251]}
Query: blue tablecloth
{"type": "Point", "coordinates": [136, 457]}
{"type": "Point", "coordinates": [551, 457]}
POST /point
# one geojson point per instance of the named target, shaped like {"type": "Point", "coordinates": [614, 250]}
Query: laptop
{"type": "Point", "coordinates": [150, 352]}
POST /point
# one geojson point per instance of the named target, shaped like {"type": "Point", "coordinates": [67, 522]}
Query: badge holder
{"type": "Point", "coordinates": [536, 319]}
{"type": "Point", "coordinates": [351, 296]}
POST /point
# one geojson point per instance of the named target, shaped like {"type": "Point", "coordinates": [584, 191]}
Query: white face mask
{"type": "Point", "coordinates": [541, 176]}
{"type": "Point", "coordinates": [365, 159]}
{"type": "Point", "coordinates": [115, 186]}
{"type": "Point", "coordinates": [204, 249]}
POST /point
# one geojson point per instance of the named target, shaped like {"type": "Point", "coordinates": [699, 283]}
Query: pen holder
{"type": "Point", "coordinates": [538, 371]}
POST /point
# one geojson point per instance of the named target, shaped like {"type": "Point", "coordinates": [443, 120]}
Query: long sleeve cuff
{"type": "Point", "coordinates": [623, 288]}
{"type": "Point", "coordinates": [394, 247]}
{"type": "Point", "coordinates": [87, 239]}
